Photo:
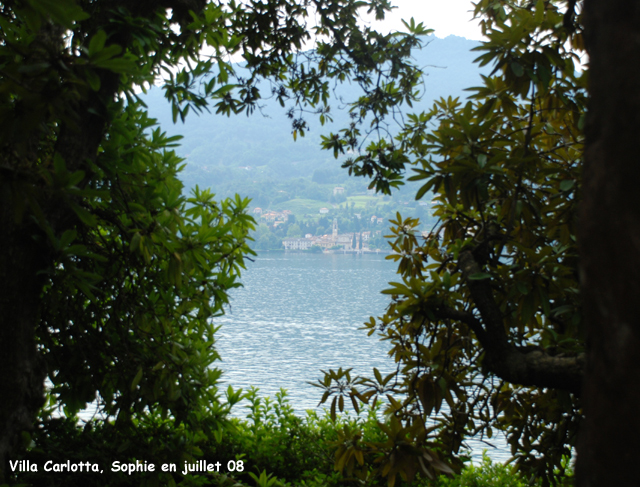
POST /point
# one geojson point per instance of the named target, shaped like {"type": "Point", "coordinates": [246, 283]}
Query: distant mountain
{"type": "Point", "coordinates": [243, 154]}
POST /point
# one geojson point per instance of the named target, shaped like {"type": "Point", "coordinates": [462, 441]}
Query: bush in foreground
{"type": "Point", "coordinates": [272, 447]}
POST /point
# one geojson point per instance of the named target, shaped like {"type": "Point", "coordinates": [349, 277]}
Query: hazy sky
{"type": "Point", "coordinates": [445, 16]}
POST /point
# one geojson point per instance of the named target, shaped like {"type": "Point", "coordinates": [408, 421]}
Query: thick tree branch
{"type": "Point", "coordinates": [465, 317]}
{"type": "Point", "coordinates": [527, 367]}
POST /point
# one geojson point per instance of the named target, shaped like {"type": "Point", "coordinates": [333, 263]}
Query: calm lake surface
{"type": "Point", "coordinates": [298, 314]}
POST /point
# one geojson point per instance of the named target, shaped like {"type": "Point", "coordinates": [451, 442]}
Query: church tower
{"type": "Point", "coordinates": [335, 229]}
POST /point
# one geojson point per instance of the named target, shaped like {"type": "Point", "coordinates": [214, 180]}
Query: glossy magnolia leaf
{"type": "Point", "coordinates": [479, 276]}
{"type": "Point", "coordinates": [567, 184]}
{"type": "Point", "coordinates": [63, 12]}
{"type": "Point", "coordinates": [136, 379]}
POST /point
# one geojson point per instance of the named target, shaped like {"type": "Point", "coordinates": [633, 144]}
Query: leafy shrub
{"type": "Point", "coordinates": [487, 474]}
{"type": "Point", "coordinates": [275, 440]}
{"type": "Point", "coordinates": [278, 448]}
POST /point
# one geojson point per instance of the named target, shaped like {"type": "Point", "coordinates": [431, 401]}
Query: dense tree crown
{"type": "Point", "coordinates": [485, 317]}
{"type": "Point", "coordinates": [109, 274]}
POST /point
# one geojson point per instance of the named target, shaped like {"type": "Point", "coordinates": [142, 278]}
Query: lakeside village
{"type": "Point", "coordinates": [356, 242]}
{"type": "Point", "coordinates": [345, 242]}
{"type": "Point", "coordinates": [363, 220]}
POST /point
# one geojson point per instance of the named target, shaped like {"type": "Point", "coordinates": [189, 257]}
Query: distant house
{"type": "Point", "coordinates": [373, 219]}
{"type": "Point", "coordinates": [324, 210]}
{"type": "Point", "coordinates": [338, 190]}
{"type": "Point", "coordinates": [257, 211]}
{"type": "Point", "coordinates": [270, 216]}
{"type": "Point", "coordinates": [274, 216]}
{"type": "Point", "coordinates": [345, 240]}
{"type": "Point", "coordinates": [379, 221]}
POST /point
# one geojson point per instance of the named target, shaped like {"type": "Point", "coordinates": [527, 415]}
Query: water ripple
{"type": "Point", "coordinates": [298, 314]}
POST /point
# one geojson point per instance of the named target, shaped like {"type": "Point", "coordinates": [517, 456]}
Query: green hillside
{"type": "Point", "coordinates": [256, 156]}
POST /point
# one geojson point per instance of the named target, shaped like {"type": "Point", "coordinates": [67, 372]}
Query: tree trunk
{"type": "Point", "coordinates": [22, 378]}
{"type": "Point", "coordinates": [609, 446]}
{"type": "Point", "coordinates": [25, 253]}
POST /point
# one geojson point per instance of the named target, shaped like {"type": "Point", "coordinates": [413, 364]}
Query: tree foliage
{"type": "Point", "coordinates": [485, 319]}
{"type": "Point", "coordinates": [110, 276]}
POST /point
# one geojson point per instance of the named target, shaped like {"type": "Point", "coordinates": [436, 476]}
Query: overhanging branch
{"type": "Point", "coordinates": [528, 367]}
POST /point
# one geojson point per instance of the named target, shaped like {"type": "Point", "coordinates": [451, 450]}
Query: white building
{"type": "Point", "coordinates": [297, 243]}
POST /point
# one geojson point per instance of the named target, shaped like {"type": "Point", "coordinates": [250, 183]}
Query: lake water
{"type": "Point", "coordinates": [298, 314]}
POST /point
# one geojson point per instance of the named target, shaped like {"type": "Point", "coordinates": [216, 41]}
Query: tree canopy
{"type": "Point", "coordinates": [109, 274]}
{"type": "Point", "coordinates": [485, 319]}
